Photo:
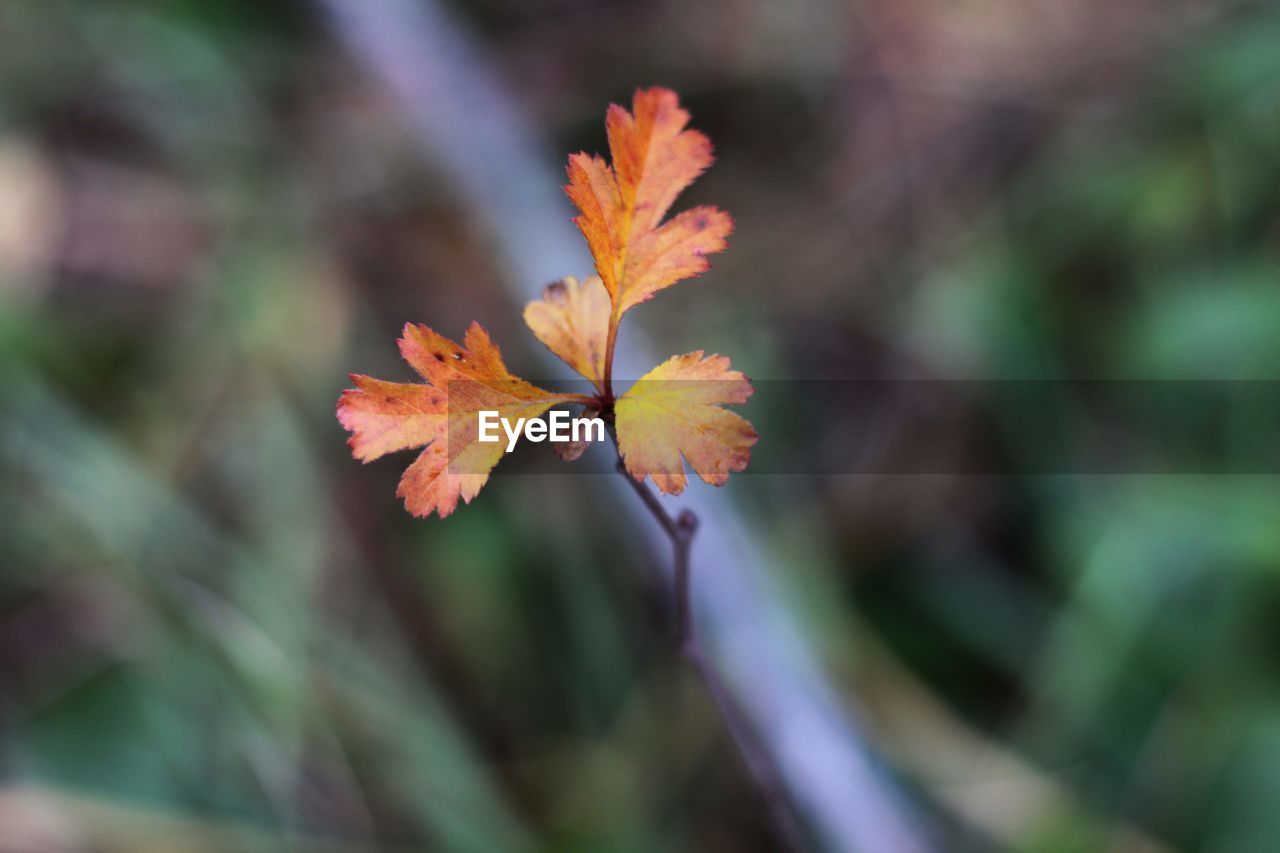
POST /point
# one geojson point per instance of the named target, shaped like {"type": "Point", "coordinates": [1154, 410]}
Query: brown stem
{"type": "Point", "coordinates": [610, 344]}
{"type": "Point", "coordinates": [754, 754]}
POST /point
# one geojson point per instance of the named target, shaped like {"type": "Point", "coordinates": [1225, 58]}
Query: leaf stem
{"type": "Point", "coordinates": [610, 343]}
{"type": "Point", "coordinates": [759, 764]}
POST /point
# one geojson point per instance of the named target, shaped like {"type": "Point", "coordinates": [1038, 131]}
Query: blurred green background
{"type": "Point", "coordinates": [219, 632]}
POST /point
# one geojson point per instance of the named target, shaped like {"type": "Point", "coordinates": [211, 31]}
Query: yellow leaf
{"type": "Point", "coordinates": [572, 320]}
{"type": "Point", "coordinates": [675, 410]}
{"type": "Point", "coordinates": [442, 415]}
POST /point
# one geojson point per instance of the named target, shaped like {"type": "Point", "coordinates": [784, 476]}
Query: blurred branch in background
{"type": "Point", "coordinates": [445, 87]}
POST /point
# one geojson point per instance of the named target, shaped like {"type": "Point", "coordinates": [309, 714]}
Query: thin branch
{"type": "Point", "coordinates": [681, 531]}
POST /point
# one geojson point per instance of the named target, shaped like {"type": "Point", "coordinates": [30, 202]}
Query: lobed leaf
{"type": "Point", "coordinates": [675, 410]}
{"type": "Point", "coordinates": [654, 159]}
{"type": "Point", "coordinates": [572, 320]}
{"type": "Point", "coordinates": [440, 415]}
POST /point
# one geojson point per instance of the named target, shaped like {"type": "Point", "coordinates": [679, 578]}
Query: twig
{"type": "Point", "coordinates": [680, 531]}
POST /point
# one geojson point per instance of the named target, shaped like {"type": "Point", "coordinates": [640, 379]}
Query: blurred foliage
{"type": "Point", "coordinates": [218, 632]}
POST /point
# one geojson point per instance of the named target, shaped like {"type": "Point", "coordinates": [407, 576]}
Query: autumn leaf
{"type": "Point", "coordinates": [572, 320]}
{"type": "Point", "coordinates": [672, 415]}
{"type": "Point", "coordinates": [654, 159]}
{"type": "Point", "coordinates": [675, 410]}
{"type": "Point", "coordinates": [440, 415]}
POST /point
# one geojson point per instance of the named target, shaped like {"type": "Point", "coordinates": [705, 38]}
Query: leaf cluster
{"type": "Point", "coordinates": [673, 414]}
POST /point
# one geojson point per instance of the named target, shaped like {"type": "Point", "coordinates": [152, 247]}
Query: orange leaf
{"type": "Point", "coordinates": [674, 410]}
{"type": "Point", "coordinates": [654, 160]}
{"type": "Point", "coordinates": [441, 415]}
{"type": "Point", "coordinates": [572, 320]}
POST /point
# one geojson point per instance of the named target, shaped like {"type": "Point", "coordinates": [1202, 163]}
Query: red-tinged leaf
{"type": "Point", "coordinates": [441, 415]}
{"type": "Point", "coordinates": [654, 159]}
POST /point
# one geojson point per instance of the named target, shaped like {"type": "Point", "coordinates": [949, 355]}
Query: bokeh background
{"type": "Point", "coordinates": [219, 632]}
